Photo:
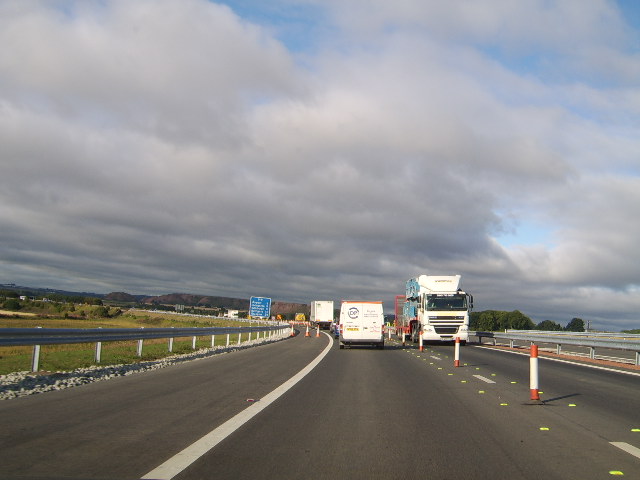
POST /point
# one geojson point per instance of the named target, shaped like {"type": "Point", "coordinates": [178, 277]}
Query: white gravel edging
{"type": "Point", "coordinates": [21, 384]}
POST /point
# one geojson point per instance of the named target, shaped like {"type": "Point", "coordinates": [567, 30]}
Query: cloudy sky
{"type": "Point", "coordinates": [325, 149]}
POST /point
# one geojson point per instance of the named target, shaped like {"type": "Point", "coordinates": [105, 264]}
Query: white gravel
{"type": "Point", "coordinates": [20, 384]}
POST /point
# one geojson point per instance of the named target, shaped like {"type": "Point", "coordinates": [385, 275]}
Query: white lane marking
{"type": "Point", "coordinates": [484, 379]}
{"type": "Point", "coordinates": [186, 457]}
{"type": "Point", "coordinates": [436, 358]}
{"type": "Point", "coordinates": [588, 365]}
{"type": "Point", "coordinates": [627, 448]}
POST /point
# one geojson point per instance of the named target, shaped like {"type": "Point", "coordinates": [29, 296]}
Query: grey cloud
{"type": "Point", "coordinates": [197, 155]}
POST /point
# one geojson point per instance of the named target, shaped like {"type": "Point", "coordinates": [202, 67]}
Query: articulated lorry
{"type": "Point", "coordinates": [437, 309]}
{"type": "Point", "coordinates": [361, 323]}
{"type": "Point", "coordinates": [321, 313]}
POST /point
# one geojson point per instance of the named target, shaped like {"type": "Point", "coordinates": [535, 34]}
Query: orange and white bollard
{"type": "Point", "coordinates": [293, 332]}
{"type": "Point", "coordinates": [317, 331]}
{"type": "Point", "coordinates": [420, 342]}
{"type": "Point", "coordinates": [307, 332]}
{"type": "Point", "coordinates": [456, 356]}
{"type": "Point", "coordinates": [533, 370]}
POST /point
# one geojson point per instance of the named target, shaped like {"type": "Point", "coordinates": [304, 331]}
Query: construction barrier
{"type": "Point", "coordinates": [533, 377]}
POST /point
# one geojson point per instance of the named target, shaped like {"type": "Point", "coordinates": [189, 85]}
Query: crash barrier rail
{"type": "Point", "coordinates": [59, 336]}
{"type": "Point", "coordinates": [614, 341]}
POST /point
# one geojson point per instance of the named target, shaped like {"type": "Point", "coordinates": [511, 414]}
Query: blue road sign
{"type": "Point", "coordinates": [260, 307]}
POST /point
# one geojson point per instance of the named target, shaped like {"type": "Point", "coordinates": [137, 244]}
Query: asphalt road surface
{"type": "Point", "coordinates": [360, 413]}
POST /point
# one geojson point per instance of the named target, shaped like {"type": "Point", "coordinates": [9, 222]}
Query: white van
{"type": "Point", "coordinates": [361, 323]}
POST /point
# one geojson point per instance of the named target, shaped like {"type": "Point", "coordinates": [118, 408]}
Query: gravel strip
{"type": "Point", "coordinates": [21, 384]}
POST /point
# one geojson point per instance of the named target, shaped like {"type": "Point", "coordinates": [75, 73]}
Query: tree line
{"type": "Point", "coordinates": [496, 320]}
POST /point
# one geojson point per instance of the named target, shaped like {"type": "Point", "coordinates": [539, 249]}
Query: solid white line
{"type": "Point", "coordinates": [186, 457]}
{"type": "Point", "coordinates": [436, 358]}
{"type": "Point", "coordinates": [484, 379]}
{"type": "Point", "coordinates": [627, 448]}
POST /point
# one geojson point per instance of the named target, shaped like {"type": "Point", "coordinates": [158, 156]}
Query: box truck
{"type": "Point", "coordinates": [321, 313]}
{"type": "Point", "coordinates": [361, 323]}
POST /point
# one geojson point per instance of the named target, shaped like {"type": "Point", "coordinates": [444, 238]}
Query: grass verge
{"type": "Point", "coordinates": [71, 356]}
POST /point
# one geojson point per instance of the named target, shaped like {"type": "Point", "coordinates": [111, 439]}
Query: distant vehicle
{"type": "Point", "coordinates": [321, 313]}
{"type": "Point", "coordinates": [335, 329]}
{"type": "Point", "coordinates": [437, 309]}
{"type": "Point", "coordinates": [361, 323]}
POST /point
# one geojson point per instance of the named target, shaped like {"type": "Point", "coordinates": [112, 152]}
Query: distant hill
{"type": "Point", "coordinates": [221, 302]}
{"type": "Point", "coordinates": [38, 291]}
{"type": "Point", "coordinates": [123, 297]}
{"type": "Point", "coordinates": [186, 299]}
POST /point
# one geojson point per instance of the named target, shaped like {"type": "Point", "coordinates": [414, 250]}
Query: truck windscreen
{"type": "Point", "coordinates": [446, 302]}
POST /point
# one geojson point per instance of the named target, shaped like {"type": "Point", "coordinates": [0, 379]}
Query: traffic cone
{"type": "Point", "coordinates": [318, 331]}
{"type": "Point", "coordinates": [307, 334]}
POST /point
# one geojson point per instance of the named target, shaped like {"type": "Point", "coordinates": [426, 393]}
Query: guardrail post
{"type": "Point", "coordinates": [511, 343]}
{"type": "Point", "coordinates": [227, 340]}
{"type": "Point", "coordinates": [592, 353]}
{"type": "Point", "coordinates": [171, 343]}
{"type": "Point", "coordinates": [139, 349]}
{"type": "Point", "coordinates": [559, 349]}
{"type": "Point", "coordinates": [239, 338]}
{"type": "Point", "coordinates": [637, 358]}
{"type": "Point", "coordinates": [98, 352]}
{"type": "Point", "coordinates": [35, 358]}
{"type": "Point", "coordinates": [213, 341]}
{"type": "Point", "coordinates": [193, 342]}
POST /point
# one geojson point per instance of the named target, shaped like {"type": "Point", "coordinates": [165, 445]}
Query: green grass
{"type": "Point", "coordinates": [68, 357]}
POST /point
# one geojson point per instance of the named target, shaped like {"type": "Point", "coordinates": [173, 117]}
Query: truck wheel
{"type": "Point", "coordinates": [341, 346]}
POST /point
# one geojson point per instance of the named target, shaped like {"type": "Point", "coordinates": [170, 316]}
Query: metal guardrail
{"type": "Point", "coordinates": [624, 336]}
{"type": "Point", "coordinates": [60, 336]}
{"type": "Point", "coordinates": [629, 342]}
{"type": "Point", "coordinates": [56, 336]}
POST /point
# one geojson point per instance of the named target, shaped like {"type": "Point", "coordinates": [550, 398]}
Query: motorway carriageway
{"type": "Point", "coordinates": [359, 413]}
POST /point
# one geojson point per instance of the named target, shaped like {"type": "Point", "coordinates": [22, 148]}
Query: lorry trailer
{"type": "Point", "coordinates": [321, 313]}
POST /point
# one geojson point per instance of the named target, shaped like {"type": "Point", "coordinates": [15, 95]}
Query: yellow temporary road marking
{"type": "Point", "coordinates": [504, 404]}
{"type": "Point", "coordinates": [545, 429]}
{"type": "Point", "coordinates": [616, 472]}
{"type": "Point", "coordinates": [635, 429]}
{"type": "Point", "coordinates": [480, 391]}
{"type": "Point", "coordinates": [572, 405]}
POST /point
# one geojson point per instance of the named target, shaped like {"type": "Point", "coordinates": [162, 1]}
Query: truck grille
{"type": "Point", "coordinates": [445, 330]}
